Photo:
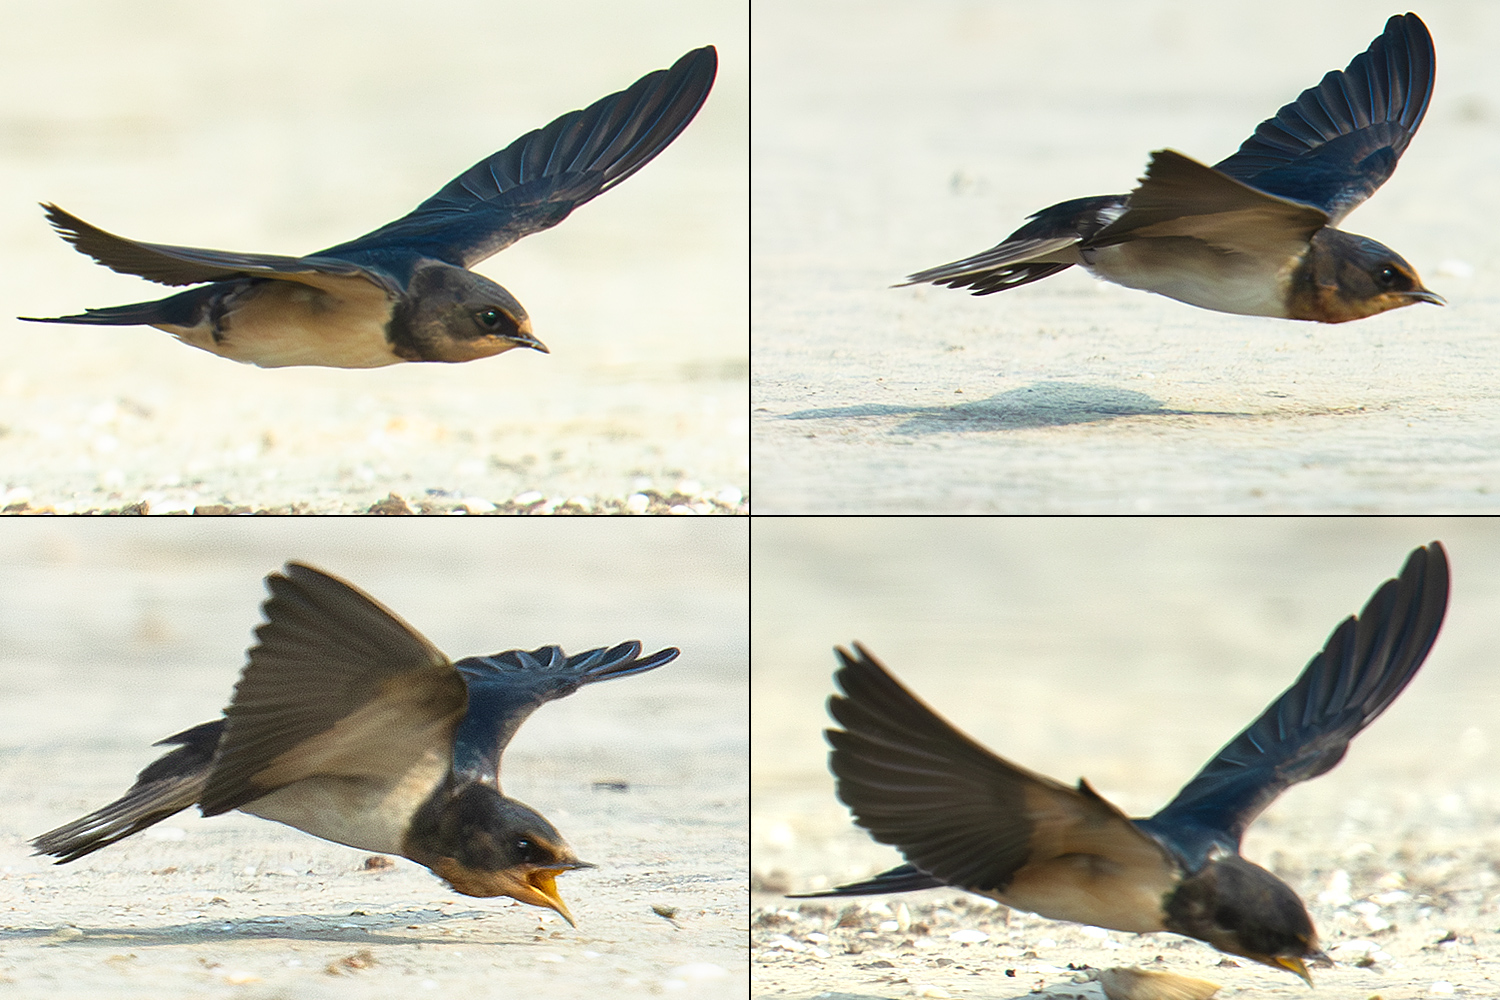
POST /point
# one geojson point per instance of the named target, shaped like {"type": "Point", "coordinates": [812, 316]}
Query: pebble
{"type": "Point", "coordinates": [969, 937]}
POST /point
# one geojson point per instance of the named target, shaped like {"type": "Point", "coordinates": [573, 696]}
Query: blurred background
{"type": "Point", "coordinates": [1126, 651]}
{"type": "Point", "coordinates": [284, 128]}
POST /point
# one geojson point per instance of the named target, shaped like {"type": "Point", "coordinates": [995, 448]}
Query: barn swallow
{"type": "Point", "coordinates": [349, 725]}
{"type": "Point", "coordinates": [967, 818]}
{"type": "Point", "coordinates": [404, 292]}
{"type": "Point", "coordinates": [1253, 234]}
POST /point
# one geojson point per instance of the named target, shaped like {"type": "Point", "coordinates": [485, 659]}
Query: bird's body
{"type": "Point", "coordinates": [350, 726]}
{"type": "Point", "coordinates": [1255, 233]}
{"type": "Point", "coordinates": [404, 292]}
{"type": "Point", "coordinates": [966, 818]}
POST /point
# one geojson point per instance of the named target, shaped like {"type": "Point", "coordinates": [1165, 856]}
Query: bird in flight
{"type": "Point", "coordinates": [967, 818]}
{"type": "Point", "coordinates": [349, 725]}
{"type": "Point", "coordinates": [404, 292]}
{"type": "Point", "coordinates": [1255, 233]}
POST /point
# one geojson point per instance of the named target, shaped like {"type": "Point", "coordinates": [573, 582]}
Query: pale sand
{"type": "Point", "coordinates": [114, 634]}
{"type": "Point", "coordinates": [286, 127]}
{"type": "Point", "coordinates": [1127, 653]}
{"type": "Point", "coordinates": [900, 134]}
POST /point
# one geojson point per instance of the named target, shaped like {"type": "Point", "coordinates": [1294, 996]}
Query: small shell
{"type": "Point", "coordinates": [1122, 983]}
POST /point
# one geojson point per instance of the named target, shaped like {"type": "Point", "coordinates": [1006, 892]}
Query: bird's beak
{"type": "Point", "coordinates": [1296, 966]}
{"type": "Point", "coordinates": [1423, 295]}
{"type": "Point", "coordinates": [525, 338]}
{"type": "Point", "coordinates": [544, 882]}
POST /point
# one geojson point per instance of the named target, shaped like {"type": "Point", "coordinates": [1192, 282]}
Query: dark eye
{"type": "Point", "coordinates": [1388, 276]}
{"type": "Point", "coordinates": [489, 317]}
{"type": "Point", "coordinates": [523, 847]}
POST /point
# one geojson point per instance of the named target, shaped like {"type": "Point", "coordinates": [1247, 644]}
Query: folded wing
{"type": "Point", "coordinates": [174, 265]}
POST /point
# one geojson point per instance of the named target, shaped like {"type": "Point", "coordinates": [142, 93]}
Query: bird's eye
{"type": "Point", "coordinates": [489, 317]}
{"type": "Point", "coordinates": [523, 847]}
{"type": "Point", "coordinates": [1387, 276]}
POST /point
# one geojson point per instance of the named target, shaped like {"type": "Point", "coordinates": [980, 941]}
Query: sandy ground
{"type": "Point", "coordinates": [115, 633]}
{"type": "Point", "coordinates": [285, 127]}
{"type": "Point", "coordinates": [901, 134]}
{"type": "Point", "coordinates": [1127, 653]}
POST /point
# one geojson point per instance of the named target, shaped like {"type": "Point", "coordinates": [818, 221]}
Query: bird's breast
{"type": "Point", "coordinates": [1089, 889]}
{"type": "Point", "coordinates": [277, 323]}
{"type": "Point", "coordinates": [1192, 271]}
{"type": "Point", "coordinates": [366, 812]}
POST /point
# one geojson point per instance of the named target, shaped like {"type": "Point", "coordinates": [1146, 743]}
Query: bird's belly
{"type": "Point", "coordinates": [1088, 889]}
{"type": "Point", "coordinates": [1191, 271]}
{"type": "Point", "coordinates": [276, 324]}
{"type": "Point", "coordinates": [361, 812]}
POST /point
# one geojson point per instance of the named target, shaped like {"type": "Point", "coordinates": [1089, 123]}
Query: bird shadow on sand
{"type": "Point", "coordinates": [409, 927]}
{"type": "Point", "coordinates": [1041, 404]}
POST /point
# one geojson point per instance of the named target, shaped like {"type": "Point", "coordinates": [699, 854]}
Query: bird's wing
{"type": "Point", "coordinates": [536, 181]}
{"type": "Point", "coordinates": [1365, 664]}
{"type": "Point", "coordinates": [504, 689]}
{"type": "Point", "coordinates": [337, 685]}
{"type": "Point", "coordinates": [967, 817]}
{"type": "Point", "coordinates": [173, 265]}
{"type": "Point", "coordinates": [1038, 249]}
{"type": "Point", "coordinates": [1180, 197]}
{"type": "Point", "coordinates": [1339, 141]}
{"type": "Point", "coordinates": [169, 784]}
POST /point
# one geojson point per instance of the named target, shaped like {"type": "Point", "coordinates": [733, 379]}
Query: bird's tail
{"type": "Point", "coordinates": [182, 309]}
{"type": "Point", "coordinates": [170, 784]}
{"type": "Point", "coordinates": [903, 878]}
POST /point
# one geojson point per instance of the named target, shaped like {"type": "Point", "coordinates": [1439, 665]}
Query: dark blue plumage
{"type": "Point", "coordinates": [504, 689]}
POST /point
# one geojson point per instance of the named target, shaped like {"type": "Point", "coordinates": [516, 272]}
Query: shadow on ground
{"type": "Point", "coordinates": [1042, 404]}
{"type": "Point", "coordinates": [292, 927]}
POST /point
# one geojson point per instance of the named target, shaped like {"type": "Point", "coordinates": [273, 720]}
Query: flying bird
{"type": "Point", "coordinates": [966, 818]}
{"type": "Point", "coordinates": [349, 725]}
{"type": "Point", "coordinates": [404, 292]}
{"type": "Point", "coordinates": [1255, 233]}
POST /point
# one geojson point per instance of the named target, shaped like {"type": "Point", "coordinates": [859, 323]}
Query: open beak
{"type": "Point", "coordinates": [535, 886]}
{"type": "Point", "coordinates": [1293, 965]}
{"type": "Point", "coordinates": [544, 882]}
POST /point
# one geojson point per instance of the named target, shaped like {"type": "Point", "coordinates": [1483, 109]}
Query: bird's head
{"type": "Point", "coordinates": [1344, 277]}
{"type": "Point", "coordinates": [484, 844]}
{"type": "Point", "coordinates": [451, 314]}
{"type": "Point", "coordinates": [1242, 909]}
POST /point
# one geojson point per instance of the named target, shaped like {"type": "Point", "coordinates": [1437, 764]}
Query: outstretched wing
{"type": "Point", "coordinates": [976, 821]}
{"type": "Point", "coordinates": [1339, 141]}
{"type": "Point", "coordinates": [1366, 663]}
{"type": "Point", "coordinates": [506, 688]}
{"type": "Point", "coordinates": [534, 183]}
{"type": "Point", "coordinates": [337, 685]}
{"type": "Point", "coordinates": [174, 265]}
